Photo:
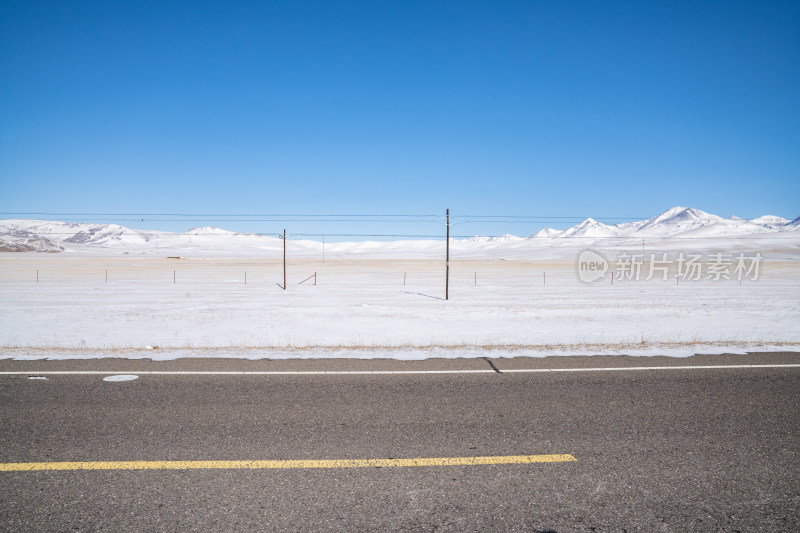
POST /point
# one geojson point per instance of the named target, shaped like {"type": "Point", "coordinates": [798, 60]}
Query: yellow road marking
{"type": "Point", "coordinates": [310, 463]}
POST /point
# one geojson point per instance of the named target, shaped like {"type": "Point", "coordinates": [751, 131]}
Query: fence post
{"type": "Point", "coordinates": [284, 259]}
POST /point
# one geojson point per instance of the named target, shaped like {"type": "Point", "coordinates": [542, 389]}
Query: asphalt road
{"type": "Point", "coordinates": [657, 450]}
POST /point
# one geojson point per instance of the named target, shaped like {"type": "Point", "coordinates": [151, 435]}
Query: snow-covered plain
{"type": "Point", "coordinates": [509, 296]}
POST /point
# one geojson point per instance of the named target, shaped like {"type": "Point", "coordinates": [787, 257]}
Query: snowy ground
{"type": "Point", "coordinates": [360, 307]}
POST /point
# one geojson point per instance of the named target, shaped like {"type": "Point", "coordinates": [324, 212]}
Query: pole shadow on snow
{"type": "Point", "coordinates": [425, 295]}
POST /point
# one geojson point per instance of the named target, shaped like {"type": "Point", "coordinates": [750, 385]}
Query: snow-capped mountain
{"type": "Point", "coordinates": [677, 221]}
{"type": "Point", "coordinates": [589, 228]}
{"type": "Point", "coordinates": [66, 232]}
{"type": "Point", "coordinates": [37, 244]}
{"type": "Point", "coordinates": [694, 222]}
{"type": "Point", "coordinates": [546, 233]}
{"type": "Point", "coordinates": [109, 235]}
{"type": "Point", "coordinates": [771, 222]}
{"type": "Point", "coordinates": [210, 230]}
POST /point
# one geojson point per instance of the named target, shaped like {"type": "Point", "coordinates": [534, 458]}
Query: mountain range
{"type": "Point", "coordinates": [678, 222]}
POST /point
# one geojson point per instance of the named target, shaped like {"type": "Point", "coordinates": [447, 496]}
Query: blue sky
{"type": "Point", "coordinates": [605, 109]}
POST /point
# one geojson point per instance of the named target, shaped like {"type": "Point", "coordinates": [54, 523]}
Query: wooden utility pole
{"type": "Point", "coordinates": [284, 259]}
{"type": "Point", "coordinates": [447, 262]}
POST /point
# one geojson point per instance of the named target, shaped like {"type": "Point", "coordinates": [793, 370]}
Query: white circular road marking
{"type": "Point", "coordinates": [121, 377]}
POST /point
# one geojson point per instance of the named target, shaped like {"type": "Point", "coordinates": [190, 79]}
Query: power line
{"type": "Point", "coordinates": [360, 220]}
{"type": "Point", "coordinates": [214, 215]}
{"type": "Point", "coordinates": [337, 220]}
{"type": "Point", "coordinates": [637, 238]}
{"type": "Point", "coordinates": [331, 217]}
{"type": "Point", "coordinates": [549, 217]}
{"type": "Point", "coordinates": [282, 216]}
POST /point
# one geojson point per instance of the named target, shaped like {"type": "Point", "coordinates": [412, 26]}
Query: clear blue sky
{"type": "Point", "coordinates": [601, 109]}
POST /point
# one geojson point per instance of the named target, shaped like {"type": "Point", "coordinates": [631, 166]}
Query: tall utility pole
{"type": "Point", "coordinates": [447, 262]}
{"type": "Point", "coordinates": [284, 259]}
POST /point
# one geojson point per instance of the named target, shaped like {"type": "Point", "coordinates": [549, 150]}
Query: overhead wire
{"type": "Point", "coordinates": [330, 217]}
{"type": "Point", "coordinates": [394, 218]}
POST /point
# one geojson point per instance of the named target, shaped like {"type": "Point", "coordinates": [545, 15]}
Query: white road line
{"type": "Point", "coordinates": [252, 372]}
{"type": "Point", "coordinates": [624, 368]}
{"type": "Point", "coordinates": [378, 372]}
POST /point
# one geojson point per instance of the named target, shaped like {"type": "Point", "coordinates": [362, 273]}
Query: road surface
{"type": "Point", "coordinates": [667, 449]}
